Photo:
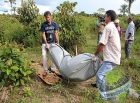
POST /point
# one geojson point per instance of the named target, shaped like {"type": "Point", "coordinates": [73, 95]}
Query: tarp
{"type": "Point", "coordinates": [77, 68]}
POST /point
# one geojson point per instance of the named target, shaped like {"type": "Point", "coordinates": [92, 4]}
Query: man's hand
{"type": "Point", "coordinates": [47, 46]}
{"type": "Point", "coordinates": [126, 41]}
{"type": "Point", "coordinates": [94, 58]}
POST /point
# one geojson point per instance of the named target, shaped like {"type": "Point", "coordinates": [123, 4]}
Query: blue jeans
{"type": "Point", "coordinates": [105, 68]}
{"type": "Point", "coordinates": [127, 48]}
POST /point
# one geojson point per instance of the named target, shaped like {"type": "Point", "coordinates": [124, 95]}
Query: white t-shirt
{"type": "Point", "coordinates": [110, 38]}
{"type": "Point", "coordinates": [130, 29]}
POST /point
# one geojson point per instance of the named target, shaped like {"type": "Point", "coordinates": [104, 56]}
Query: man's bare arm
{"type": "Point", "coordinates": [56, 36]}
{"type": "Point", "coordinates": [126, 41]}
{"type": "Point", "coordinates": [44, 37]}
{"type": "Point", "coordinates": [99, 49]}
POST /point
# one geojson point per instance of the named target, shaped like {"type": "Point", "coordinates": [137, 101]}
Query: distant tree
{"type": "Point", "coordinates": [95, 14]}
{"type": "Point", "coordinates": [28, 12]}
{"type": "Point", "coordinates": [11, 3]}
{"type": "Point", "coordinates": [132, 14]}
{"type": "Point", "coordinates": [137, 22]}
{"type": "Point", "coordinates": [98, 15]}
{"type": "Point", "coordinates": [120, 15]}
{"type": "Point", "coordinates": [129, 5]}
{"type": "Point", "coordinates": [5, 11]}
{"type": "Point", "coordinates": [123, 9]}
{"type": "Point", "coordinates": [101, 10]}
{"type": "Point", "coordinates": [82, 13]}
{"type": "Point", "coordinates": [76, 13]}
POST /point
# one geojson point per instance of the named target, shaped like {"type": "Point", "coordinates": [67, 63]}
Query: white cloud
{"type": "Point", "coordinates": [4, 7]}
{"type": "Point", "coordinates": [43, 8]}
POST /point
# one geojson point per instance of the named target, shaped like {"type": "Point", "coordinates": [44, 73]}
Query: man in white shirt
{"type": "Point", "coordinates": [111, 47]}
{"type": "Point", "coordinates": [129, 36]}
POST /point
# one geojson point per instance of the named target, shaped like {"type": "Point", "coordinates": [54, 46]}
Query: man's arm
{"type": "Point", "coordinates": [126, 41]}
{"type": "Point", "coordinates": [121, 34]}
{"type": "Point", "coordinates": [99, 25]}
{"type": "Point", "coordinates": [56, 36]}
{"type": "Point", "coordinates": [99, 49]}
{"type": "Point", "coordinates": [45, 40]}
{"type": "Point", "coordinates": [129, 36]}
{"type": "Point", "coordinates": [44, 37]}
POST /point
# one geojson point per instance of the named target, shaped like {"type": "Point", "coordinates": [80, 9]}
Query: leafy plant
{"type": "Point", "coordinates": [14, 69]}
{"type": "Point", "coordinates": [11, 29]}
{"type": "Point", "coordinates": [2, 28]}
{"type": "Point", "coordinates": [70, 26]}
{"type": "Point", "coordinates": [28, 13]}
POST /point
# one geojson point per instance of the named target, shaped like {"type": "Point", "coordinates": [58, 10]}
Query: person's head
{"type": "Point", "coordinates": [117, 21]}
{"type": "Point", "coordinates": [99, 18]}
{"type": "Point", "coordinates": [47, 16]}
{"type": "Point", "coordinates": [129, 19]}
{"type": "Point", "coordinates": [110, 16]}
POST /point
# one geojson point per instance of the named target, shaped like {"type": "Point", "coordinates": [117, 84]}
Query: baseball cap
{"type": "Point", "coordinates": [117, 21]}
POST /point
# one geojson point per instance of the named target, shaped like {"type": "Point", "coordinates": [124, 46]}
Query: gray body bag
{"type": "Point", "coordinates": [78, 68]}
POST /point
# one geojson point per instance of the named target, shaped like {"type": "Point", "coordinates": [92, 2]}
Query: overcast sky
{"type": "Point", "coordinates": [89, 6]}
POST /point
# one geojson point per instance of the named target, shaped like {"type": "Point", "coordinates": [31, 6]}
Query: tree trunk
{"type": "Point", "coordinates": [123, 13]}
{"type": "Point", "coordinates": [76, 51]}
{"type": "Point", "coordinates": [11, 8]}
{"type": "Point", "coordinates": [129, 9]}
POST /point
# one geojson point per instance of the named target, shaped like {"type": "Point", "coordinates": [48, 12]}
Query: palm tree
{"type": "Point", "coordinates": [129, 5]}
{"type": "Point", "coordinates": [11, 3]}
{"type": "Point", "coordinates": [123, 9]}
{"type": "Point", "coordinates": [14, 9]}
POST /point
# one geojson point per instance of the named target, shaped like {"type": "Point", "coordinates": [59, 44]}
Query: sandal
{"type": "Point", "coordinates": [44, 74]}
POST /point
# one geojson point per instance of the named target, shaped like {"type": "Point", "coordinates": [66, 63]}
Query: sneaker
{"type": "Point", "coordinates": [94, 85]}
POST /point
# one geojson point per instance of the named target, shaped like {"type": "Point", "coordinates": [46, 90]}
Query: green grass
{"type": "Point", "coordinates": [114, 76]}
{"type": "Point", "coordinates": [69, 92]}
{"type": "Point", "coordinates": [122, 96]}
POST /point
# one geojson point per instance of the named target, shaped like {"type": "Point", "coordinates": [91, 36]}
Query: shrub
{"type": "Point", "coordinates": [11, 29]}
{"type": "Point", "coordinates": [14, 69]}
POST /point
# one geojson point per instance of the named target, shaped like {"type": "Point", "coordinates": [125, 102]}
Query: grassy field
{"type": "Point", "coordinates": [37, 91]}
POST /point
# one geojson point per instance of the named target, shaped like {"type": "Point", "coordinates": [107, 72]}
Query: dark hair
{"type": "Point", "coordinates": [47, 13]}
{"type": "Point", "coordinates": [130, 18]}
{"type": "Point", "coordinates": [112, 14]}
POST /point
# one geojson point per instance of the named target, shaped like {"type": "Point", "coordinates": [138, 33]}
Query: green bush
{"type": "Point", "coordinates": [28, 13]}
{"type": "Point", "coordinates": [14, 69]}
{"type": "Point", "coordinates": [11, 29]}
{"type": "Point", "coordinates": [135, 45]}
{"type": "Point", "coordinates": [1, 29]}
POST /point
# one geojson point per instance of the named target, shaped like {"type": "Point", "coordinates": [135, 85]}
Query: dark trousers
{"type": "Point", "coordinates": [127, 49]}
